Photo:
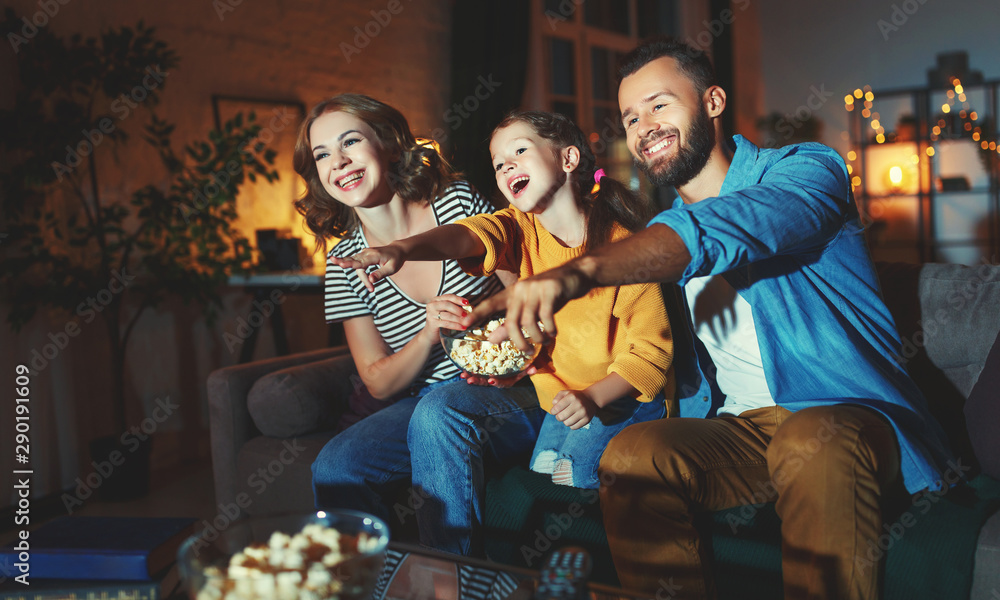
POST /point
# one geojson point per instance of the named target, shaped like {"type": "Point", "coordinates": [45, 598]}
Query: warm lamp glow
{"type": "Point", "coordinates": [852, 155]}
{"type": "Point", "coordinates": [930, 152]}
{"type": "Point", "coordinates": [900, 176]}
{"type": "Point", "coordinates": [945, 108]}
{"type": "Point", "coordinates": [896, 175]}
{"type": "Point", "coordinates": [858, 94]}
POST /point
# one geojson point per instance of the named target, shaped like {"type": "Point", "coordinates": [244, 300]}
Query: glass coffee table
{"type": "Point", "coordinates": [417, 573]}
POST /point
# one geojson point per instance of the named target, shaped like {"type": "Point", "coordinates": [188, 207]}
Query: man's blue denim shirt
{"type": "Point", "coordinates": [786, 233]}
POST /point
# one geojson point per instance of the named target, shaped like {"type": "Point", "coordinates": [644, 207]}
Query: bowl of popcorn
{"type": "Point", "coordinates": [314, 556]}
{"type": "Point", "coordinates": [472, 351]}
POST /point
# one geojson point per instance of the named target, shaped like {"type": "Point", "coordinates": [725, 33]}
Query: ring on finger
{"type": "Point", "coordinates": [439, 316]}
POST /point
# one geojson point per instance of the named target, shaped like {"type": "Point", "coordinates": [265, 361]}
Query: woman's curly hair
{"type": "Point", "coordinates": [418, 173]}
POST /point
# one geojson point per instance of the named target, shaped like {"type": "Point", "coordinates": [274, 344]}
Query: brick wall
{"type": "Point", "coordinates": [302, 50]}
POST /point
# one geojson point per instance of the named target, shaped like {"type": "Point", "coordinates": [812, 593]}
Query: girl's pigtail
{"type": "Point", "coordinates": [614, 203]}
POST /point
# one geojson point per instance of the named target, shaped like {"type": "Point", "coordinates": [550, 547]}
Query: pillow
{"type": "Point", "coordinates": [982, 414]}
{"type": "Point", "coordinates": [301, 399]}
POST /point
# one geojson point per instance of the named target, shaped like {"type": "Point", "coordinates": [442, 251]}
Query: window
{"type": "Point", "coordinates": [581, 42]}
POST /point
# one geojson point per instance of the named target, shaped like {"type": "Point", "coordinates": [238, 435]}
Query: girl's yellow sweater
{"type": "Point", "coordinates": [620, 330]}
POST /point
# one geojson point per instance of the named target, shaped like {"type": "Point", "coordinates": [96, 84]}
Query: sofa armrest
{"type": "Point", "coordinates": [230, 424]}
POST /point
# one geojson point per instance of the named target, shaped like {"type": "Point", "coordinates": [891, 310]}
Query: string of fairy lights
{"type": "Point", "coordinates": [969, 123]}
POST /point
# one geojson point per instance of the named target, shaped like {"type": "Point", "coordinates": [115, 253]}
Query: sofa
{"type": "Point", "coordinates": [269, 419]}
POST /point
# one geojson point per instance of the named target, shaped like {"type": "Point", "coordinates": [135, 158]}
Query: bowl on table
{"type": "Point", "coordinates": [471, 351]}
{"type": "Point", "coordinates": [314, 556]}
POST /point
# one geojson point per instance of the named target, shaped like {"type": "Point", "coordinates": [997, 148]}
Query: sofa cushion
{"type": "Point", "coordinates": [982, 413]}
{"type": "Point", "coordinates": [960, 309]}
{"type": "Point", "coordinates": [301, 399]}
{"type": "Point", "coordinates": [275, 475]}
{"type": "Point", "coordinates": [946, 335]}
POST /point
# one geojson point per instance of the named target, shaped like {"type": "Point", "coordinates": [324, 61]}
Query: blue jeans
{"type": "Point", "coordinates": [439, 438]}
{"type": "Point", "coordinates": [580, 449]}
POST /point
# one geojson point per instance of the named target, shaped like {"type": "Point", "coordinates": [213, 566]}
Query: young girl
{"type": "Point", "coordinates": [370, 182]}
{"type": "Point", "coordinates": [610, 365]}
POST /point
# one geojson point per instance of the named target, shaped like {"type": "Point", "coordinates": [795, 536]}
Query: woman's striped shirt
{"type": "Point", "coordinates": [398, 317]}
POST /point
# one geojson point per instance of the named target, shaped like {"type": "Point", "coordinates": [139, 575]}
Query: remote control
{"type": "Point", "coordinates": [564, 575]}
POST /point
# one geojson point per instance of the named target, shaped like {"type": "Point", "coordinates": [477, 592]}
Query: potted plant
{"type": "Point", "coordinates": [96, 253]}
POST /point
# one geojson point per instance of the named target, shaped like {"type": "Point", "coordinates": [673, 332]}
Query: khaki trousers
{"type": "Point", "coordinates": [830, 470]}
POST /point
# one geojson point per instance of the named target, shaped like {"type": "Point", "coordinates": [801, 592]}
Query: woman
{"type": "Point", "coordinates": [369, 183]}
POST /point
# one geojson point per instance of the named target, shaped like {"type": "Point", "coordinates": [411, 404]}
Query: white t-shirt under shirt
{"type": "Point", "coordinates": [723, 321]}
{"type": "Point", "coordinates": [398, 317]}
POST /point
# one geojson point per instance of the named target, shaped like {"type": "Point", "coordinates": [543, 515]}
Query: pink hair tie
{"type": "Point", "coordinates": [598, 174]}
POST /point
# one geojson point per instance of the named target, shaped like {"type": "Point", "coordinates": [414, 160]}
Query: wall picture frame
{"type": "Point", "coordinates": [262, 204]}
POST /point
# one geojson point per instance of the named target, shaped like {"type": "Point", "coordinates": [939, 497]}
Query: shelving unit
{"type": "Point", "coordinates": [929, 187]}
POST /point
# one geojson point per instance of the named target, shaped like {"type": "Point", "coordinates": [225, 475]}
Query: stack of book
{"type": "Point", "coordinates": [97, 558]}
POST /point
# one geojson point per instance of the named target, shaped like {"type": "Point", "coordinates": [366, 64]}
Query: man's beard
{"type": "Point", "coordinates": [690, 159]}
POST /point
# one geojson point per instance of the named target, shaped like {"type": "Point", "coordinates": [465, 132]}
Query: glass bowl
{"type": "Point", "coordinates": [204, 558]}
{"type": "Point", "coordinates": [471, 352]}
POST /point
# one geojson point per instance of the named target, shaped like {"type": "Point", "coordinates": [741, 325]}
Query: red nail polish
{"type": "Point", "coordinates": [464, 301]}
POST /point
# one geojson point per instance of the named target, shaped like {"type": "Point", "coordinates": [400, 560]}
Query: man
{"type": "Point", "coordinates": [817, 415]}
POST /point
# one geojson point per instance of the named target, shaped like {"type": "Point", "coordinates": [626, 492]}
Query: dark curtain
{"type": "Point", "coordinates": [722, 60]}
{"type": "Point", "coordinates": [489, 60]}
